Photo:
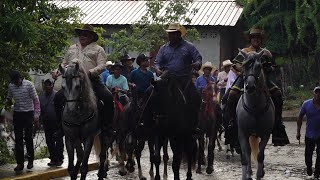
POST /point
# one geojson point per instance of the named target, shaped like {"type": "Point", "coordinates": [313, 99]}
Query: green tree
{"type": "Point", "coordinates": [149, 34]}
{"type": "Point", "coordinates": [33, 34]}
{"type": "Point", "coordinates": [293, 32]}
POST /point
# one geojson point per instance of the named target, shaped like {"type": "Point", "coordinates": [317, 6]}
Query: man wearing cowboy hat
{"type": "Point", "coordinates": [106, 72]}
{"type": "Point", "coordinates": [223, 77]}
{"type": "Point", "coordinates": [127, 62]}
{"type": "Point", "coordinates": [178, 57]}
{"type": "Point", "coordinates": [93, 59]}
{"type": "Point", "coordinates": [206, 78]}
{"type": "Point", "coordinates": [279, 135]}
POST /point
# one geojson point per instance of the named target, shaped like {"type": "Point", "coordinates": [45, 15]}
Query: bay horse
{"type": "Point", "coordinates": [209, 123]}
{"type": "Point", "coordinates": [255, 115]}
{"type": "Point", "coordinates": [174, 119]}
{"type": "Point", "coordinates": [80, 119]}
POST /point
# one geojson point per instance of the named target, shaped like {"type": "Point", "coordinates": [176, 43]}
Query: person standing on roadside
{"type": "Point", "coordinates": [51, 124]}
{"type": "Point", "coordinates": [26, 113]}
{"type": "Point", "coordinates": [311, 109]}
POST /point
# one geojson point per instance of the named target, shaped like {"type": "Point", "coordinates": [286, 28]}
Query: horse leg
{"type": "Point", "coordinates": [157, 157]}
{"type": "Point", "coordinates": [165, 158]}
{"type": "Point", "coordinates": [152, 154]}
{"type": "Point", "coordinates": [200, 153]}
{"type": "Point", "coordinates": [70, 151]}
{"type": "Point", "coordinates": [176, 146]}
{"type": "Point", "coordinates": [191, 150]}
{"type": "Point", "coordinates": [260, 158]}
{"type": "Point", "coordinates": [122, 158]}
{"type": "Point", "coordinates": [245, 155]}
{"type": "Point", "coordinates": [87, 150]}
{"type": "Point", "coordinates": [138, 156]}
{"type": "Point", "coordinates": [130, 146]}
{"type": "Point", "coordinates": [210, 158]}
{"type": "Point", "coordinates": [218, 143]}
{"type": "Point", "coordinates": [80, 152]}
{"type": "Point", "coordinates": [103, 156]}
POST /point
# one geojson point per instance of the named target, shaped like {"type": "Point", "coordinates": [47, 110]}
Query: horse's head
{"type": "Point", "coordinates": [252, 69]}
{"type": "Point", "coordinates": [71, 81]}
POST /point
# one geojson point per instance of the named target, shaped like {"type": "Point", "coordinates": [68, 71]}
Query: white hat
{"type": "Point", "coordinates": [173, 27]}
{"type": "Point", "coordinates": [207, 65]}
{"type": "Point", "coordinates": [316, 88]}
{"type": "Point", "coordinates": [109, 63]}
{"type": "Point", "coordinates": [227, 63]}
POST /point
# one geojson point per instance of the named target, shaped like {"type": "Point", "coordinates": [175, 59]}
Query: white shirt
{"type": "Point", "coordinates": [231, 78]}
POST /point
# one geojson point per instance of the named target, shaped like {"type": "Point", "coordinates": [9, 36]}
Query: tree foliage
{"type": "Point", "coordinates": [33, 34]}
{"type": "Point", "coordinates": [149, 34]}
{"type": "Point", "coordinates": [293, 32]}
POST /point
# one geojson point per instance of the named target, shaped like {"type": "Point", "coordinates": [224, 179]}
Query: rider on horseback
{"type": "Point", "coordinates": [178, 57]}
{"type": "Point", "coordinates": [256, 36]}
{"type": "Point", "coordinates": [205, 79]}
{"type": "Point", "coordinates": [93, 58]}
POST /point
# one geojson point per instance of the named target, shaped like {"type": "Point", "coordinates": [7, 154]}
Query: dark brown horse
{"type": "Point", "coordinates": [209, 122]}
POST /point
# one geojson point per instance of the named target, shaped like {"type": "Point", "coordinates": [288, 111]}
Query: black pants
{"type": "Point", "coordinates": [310, 145]}
{"type": "Point", "coordinates": [22, 122]}
{"type": "Point", "coordinates": [54, 143]}
{"type": "Point", "coordinates": [106, 111]}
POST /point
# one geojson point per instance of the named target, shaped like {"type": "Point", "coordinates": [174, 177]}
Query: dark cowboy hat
{"type": "Point", "coordinates": [117, 64]}
{"type": "Point", "coordinates": [127, 57]}
{"type": "Point", "coordinates": [141, 58]}
{"type": "Point", "coordinates": [255, 32]}
{"type": "Point", "coordinates": [15, 75]}
{"type": "Point", "coordinates": [87, 28]}
{"type": "Point", "coordinates": [48, 81]}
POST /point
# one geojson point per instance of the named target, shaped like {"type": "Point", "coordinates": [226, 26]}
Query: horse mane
{"type": "Point", "coordinates": [88, 95]}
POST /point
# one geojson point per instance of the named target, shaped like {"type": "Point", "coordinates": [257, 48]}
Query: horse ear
{"type": "Point", "coordinates": [243, 53]}
{"type": "Point", "coordinates": [61, 69]}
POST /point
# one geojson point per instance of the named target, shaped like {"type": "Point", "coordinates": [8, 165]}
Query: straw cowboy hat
{"type": "Point", "coordinates": [255, 32]}
{"type": "Point", "coordinates": [87, 28]}
{"type": "Point", "coordinates": [207, 65]}
{"type": "Point", "coordinates": [109, 63]}
{"type": "Point", "coordinates": [227, 63]}
{"type": "Point", "coordinates": [174, 27]}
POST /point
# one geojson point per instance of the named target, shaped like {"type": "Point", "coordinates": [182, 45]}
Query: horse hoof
{"type": "Point", "coordinates": [198, 171]}
{"type": "Point", "coordinates": [131, 169]}
{"type": "Point", "coordinates": [143, 178]}
{"type": "Point", "coordinates": [123, 173]}
{"type": "Point", "coordinates": [165, 176]}
{"type": "Point", "coordinates": [157, 177]}
{"type": "Point", "coordinates": [209, 169]}
{"type": "Point", "coordinates": [227, 156]}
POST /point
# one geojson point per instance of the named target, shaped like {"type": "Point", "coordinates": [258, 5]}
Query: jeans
{"type": "Point", "coordinates": [54, 143]}
{"type": "Point", "coordinates": [22, 122]}
{"type": "Point", "coordinates": [310, 144]}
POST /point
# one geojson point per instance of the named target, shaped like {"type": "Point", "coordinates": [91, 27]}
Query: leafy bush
{"type": "Point", "coordinates": [5, 156]}
{"type": "Point", "coordinates": [295, 97]}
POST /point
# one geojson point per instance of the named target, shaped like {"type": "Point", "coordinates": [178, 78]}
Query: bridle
{"type": "Point", "coordinates": [73, 77]}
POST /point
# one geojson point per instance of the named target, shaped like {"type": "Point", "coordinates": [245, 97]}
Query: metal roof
{"type": "Point", "coordinates": [210, 12]}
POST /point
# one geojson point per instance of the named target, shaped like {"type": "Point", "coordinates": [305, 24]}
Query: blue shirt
{"type": "Point", "coordinates": [120, 82]}
{"type": "Point", "coordinates": [104, 76]}
{"type": "Point", "coordinates": [178, 60]}
{"type": "Point", "coordinates": [201, 82]}
{"type": "Point", "coordinates": [141, 79]}
{"type": "Point", "coordinates": [313, 118]}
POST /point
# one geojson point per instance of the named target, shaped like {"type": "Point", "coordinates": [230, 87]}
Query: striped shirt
{"type": "Point", "coordinates": [25, 97]}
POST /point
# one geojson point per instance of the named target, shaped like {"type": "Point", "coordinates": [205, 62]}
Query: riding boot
{"type": "Point", "coordinates": [59, 101]}
{"type": "Point", "coordinates": [279, 135]}
{"type": "Point", "coordinates": [232, 129]}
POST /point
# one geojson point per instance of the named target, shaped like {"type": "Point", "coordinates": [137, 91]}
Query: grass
{"type": "Point", "coordinates": [295, 97]}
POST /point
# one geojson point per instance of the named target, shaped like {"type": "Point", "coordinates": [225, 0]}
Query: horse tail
{"type": "Point", "coordinates": [97, 146]}
{"type": "Point", "coordinates": [254, 144]}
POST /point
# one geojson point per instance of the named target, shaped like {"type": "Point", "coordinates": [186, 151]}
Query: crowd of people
{"type": "Point", "coordinates": [178, 57]}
